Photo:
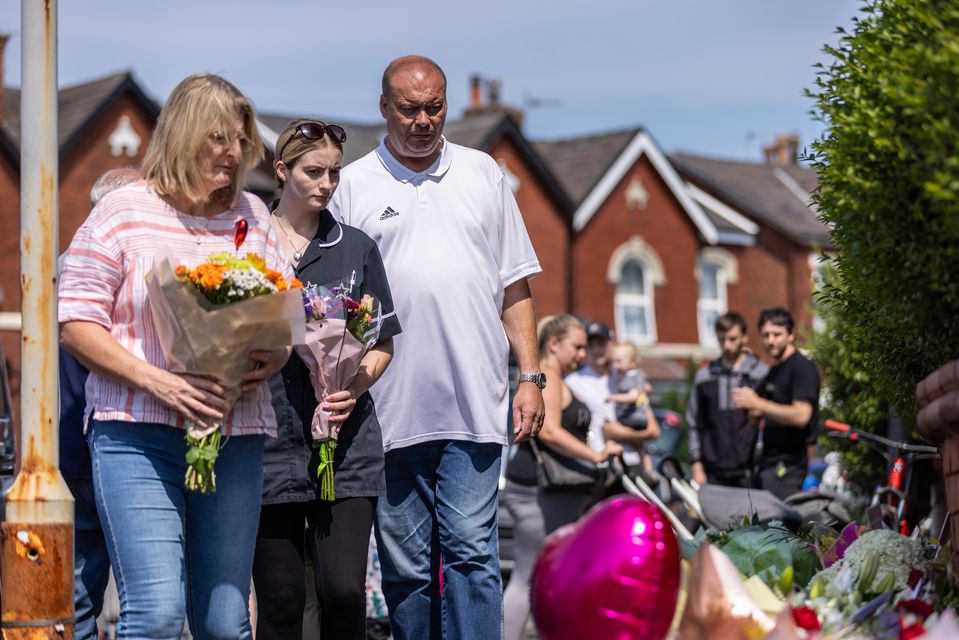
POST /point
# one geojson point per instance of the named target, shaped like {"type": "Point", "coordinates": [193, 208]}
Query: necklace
{"type": "Point", "coordinates": [297, 252]}
{"type": "Point", "coordinates": [206, 229]}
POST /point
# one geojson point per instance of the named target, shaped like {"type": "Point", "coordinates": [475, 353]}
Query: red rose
{"type": "Point", "coordinates": [912, 631]}
{"type": "Point", "coordinates": [805, 618]}
{"type": "Point", "coordinates": [916, 607]}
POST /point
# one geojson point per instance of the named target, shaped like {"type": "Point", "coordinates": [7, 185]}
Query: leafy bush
{"type": "Point", "coordinates": [889, 187]}
{"type": "Point", "coordinates": [852, 395]}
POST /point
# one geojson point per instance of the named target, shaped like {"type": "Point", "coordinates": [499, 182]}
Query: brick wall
{"type": "Point", "coordinates": [775, 272]}
{"type": "Point", "coordinates": [547, 229]}
{"type": "Point", "coordinates": [85, 162]}
{"type": "Point", "coordinates": [664, 226]}
{"type": "Point", "coordinates": [10, 266]}
{"type": "Point", "coordinates": [90, 158]}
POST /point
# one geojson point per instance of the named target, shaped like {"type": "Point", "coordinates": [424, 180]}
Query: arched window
{"type": "Point", "coordinates": [635, 316]}
{"type": "Point", "coordinates": [715, 269]}
{"type": "Point", "coordinates": [636, 270]}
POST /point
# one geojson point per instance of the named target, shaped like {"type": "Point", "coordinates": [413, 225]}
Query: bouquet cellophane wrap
{"type": "Point", "coordinates": [718, 604]}
{"type": "Point", "coordinates": [213, 341]}
{"type": "Point", "coordinates": [333, 356]}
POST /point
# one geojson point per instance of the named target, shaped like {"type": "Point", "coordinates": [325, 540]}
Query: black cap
{"type": "Point", "coordinates": [599, 330]}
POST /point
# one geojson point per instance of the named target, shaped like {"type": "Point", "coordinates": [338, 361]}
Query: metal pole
{"type": "Point", "coordinates": [37, 535]}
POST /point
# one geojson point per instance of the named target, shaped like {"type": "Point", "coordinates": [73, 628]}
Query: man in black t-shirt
{"type": "Point", "coordinates": [786, 405]}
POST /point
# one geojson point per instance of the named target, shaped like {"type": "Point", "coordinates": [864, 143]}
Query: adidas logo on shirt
{"type": "Point", "coordinates": [388, 213]}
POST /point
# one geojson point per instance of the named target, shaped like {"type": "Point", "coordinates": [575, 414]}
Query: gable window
{"type": "Point", "coordinates": [634, 304]}
{"type": "Point", "coordinates": [636, 270]}
{"type": "Point", "coordinates": [715, 269]}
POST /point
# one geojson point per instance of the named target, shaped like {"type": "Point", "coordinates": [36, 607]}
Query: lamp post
{"type": "Point", "coordinates": [36, 537]}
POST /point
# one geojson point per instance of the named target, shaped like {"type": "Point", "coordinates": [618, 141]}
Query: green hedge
{"type": "Point", "coordinates": [889, 187]}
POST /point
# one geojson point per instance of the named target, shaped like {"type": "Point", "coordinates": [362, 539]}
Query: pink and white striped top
{"type": "Point", "coordinates": [102, 281]}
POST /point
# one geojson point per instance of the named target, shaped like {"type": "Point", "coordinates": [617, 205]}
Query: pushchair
{"type": "Point", "coordinates": [720, 507]}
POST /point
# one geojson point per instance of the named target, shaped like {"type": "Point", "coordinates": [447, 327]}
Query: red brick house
{"type": "Point", "coordinates": [655, 245]}
{"type": "Point", "coordinates": [102, 125]}
{"type": "Point", "coordinates": [662, 245]}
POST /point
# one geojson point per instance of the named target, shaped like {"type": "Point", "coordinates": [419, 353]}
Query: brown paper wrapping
{"type": "Point", "coordinates": [214, 342]}
{"type": "Point", "coordinates": [717, 603]}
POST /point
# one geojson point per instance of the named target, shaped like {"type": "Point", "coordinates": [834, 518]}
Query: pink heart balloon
{"type": "Point", "coordinates": [614, 575]}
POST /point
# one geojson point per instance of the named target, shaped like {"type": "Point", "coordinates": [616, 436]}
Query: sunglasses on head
{"type": "Point", "coordinates": [315, 131]}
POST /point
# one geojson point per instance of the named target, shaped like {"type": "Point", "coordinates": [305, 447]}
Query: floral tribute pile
{"type": "Point", "coordinates": [817, 584]}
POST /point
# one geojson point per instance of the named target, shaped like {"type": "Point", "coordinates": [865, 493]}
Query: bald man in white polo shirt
{"type": "Point", "coordinates": [458, 258]}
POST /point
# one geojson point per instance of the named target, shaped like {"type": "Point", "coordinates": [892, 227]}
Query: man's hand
{"type": "Point", "coordinates": [528, 412]}
{"type": "Point", "coordinates": [747, 398]}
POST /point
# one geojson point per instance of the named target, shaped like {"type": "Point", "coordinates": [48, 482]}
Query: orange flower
{"type": "Point", "coordinates": [207, 276]}
{"type": "Point", "coordinates": [295, 283]}
{"type": "Point", "coordinates": [181, 272]}
{"type": "Point", "coordinates": [276, 278]}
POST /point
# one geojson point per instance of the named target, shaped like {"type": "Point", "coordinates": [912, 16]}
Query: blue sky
{"type": "Point", "coordinates": [717, 78]}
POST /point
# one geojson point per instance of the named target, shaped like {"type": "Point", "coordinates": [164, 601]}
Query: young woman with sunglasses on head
{"type": "Point", "coordinates": [307, 163]}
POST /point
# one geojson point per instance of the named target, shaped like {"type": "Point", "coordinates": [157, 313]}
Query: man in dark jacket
{"type": "Point", "coordinates": [722, 436]}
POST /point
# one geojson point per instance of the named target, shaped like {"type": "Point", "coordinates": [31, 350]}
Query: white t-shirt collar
{"type": "Point", "coordinates": [403, 173]}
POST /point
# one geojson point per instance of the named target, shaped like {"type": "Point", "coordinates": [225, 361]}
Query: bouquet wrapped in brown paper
{"type": "Point", "coordinates": [207, 320]}
{"type": "Point", "coordinates": [718, 604]}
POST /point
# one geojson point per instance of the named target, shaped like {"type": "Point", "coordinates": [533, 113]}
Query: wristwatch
{"type": "Point", "coordinates": [539, 379]}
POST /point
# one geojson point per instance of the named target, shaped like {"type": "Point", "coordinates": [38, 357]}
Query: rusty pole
{"type": "Point", "coordinates": [36, 539]}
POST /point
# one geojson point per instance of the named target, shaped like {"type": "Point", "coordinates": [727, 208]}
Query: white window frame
{"type": "Point", "coordinates": [816, 263]}
{"type": "Point", "coordinates": [635, 250]}
{"type": "Point", "coordinates": [727, 273]}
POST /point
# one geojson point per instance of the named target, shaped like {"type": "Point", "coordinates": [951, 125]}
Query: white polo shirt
{"type": "Point", "coordinates": [452, 238]}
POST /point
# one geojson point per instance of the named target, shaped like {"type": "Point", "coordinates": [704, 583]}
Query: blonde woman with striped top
{"type": "Point", "coordinates": [174, 553]}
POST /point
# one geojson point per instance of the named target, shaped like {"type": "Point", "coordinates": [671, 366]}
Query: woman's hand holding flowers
{"type": "Point", "coordinates": [267, 363]}
{"type": "Point", "coordinates": [339, 405]}
{"type": "Point", "coordinates": [198, 399]}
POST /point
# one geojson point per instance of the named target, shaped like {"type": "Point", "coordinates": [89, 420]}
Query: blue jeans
{"type": "Point", "coordinates": [91, 562]}
{"type": "Point", "coordinates": [175, 552]}
{"type": "Point", "coordinates": [441, 503]}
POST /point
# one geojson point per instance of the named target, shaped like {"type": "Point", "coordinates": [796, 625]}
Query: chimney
{"type": "Point", "coordinates": [476, 92]}
{"type": "Point", "coordinates": [784, 152]}
{"type": "Point", "coordinates": [493, 104]}
{"type": "Point", "coordinates": [492, 88]}
{"type": "Point", "coordinates": [3, 92]}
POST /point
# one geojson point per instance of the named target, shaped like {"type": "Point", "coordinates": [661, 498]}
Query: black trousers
{"type": "Point", "coordinates": [782, 479]}
{"type": "Point", "coordinates": [338, 535]}
{"type": "Point", "coordinates": [742, 479]}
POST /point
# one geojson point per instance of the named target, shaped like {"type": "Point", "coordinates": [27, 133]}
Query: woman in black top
{"type": "Point", "coordinates": [537, 512]}
{"type": "Point", "coordinates": [322, 251]}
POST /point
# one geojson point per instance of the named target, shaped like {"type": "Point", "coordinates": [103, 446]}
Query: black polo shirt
{"type": "Point", "coordinates": [289, 460]}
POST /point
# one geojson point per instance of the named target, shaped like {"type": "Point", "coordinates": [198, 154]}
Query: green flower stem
{"type": "Point", "coordinates": [201, 454]}
{"type": "Point", "coordinates": [324, 472]}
